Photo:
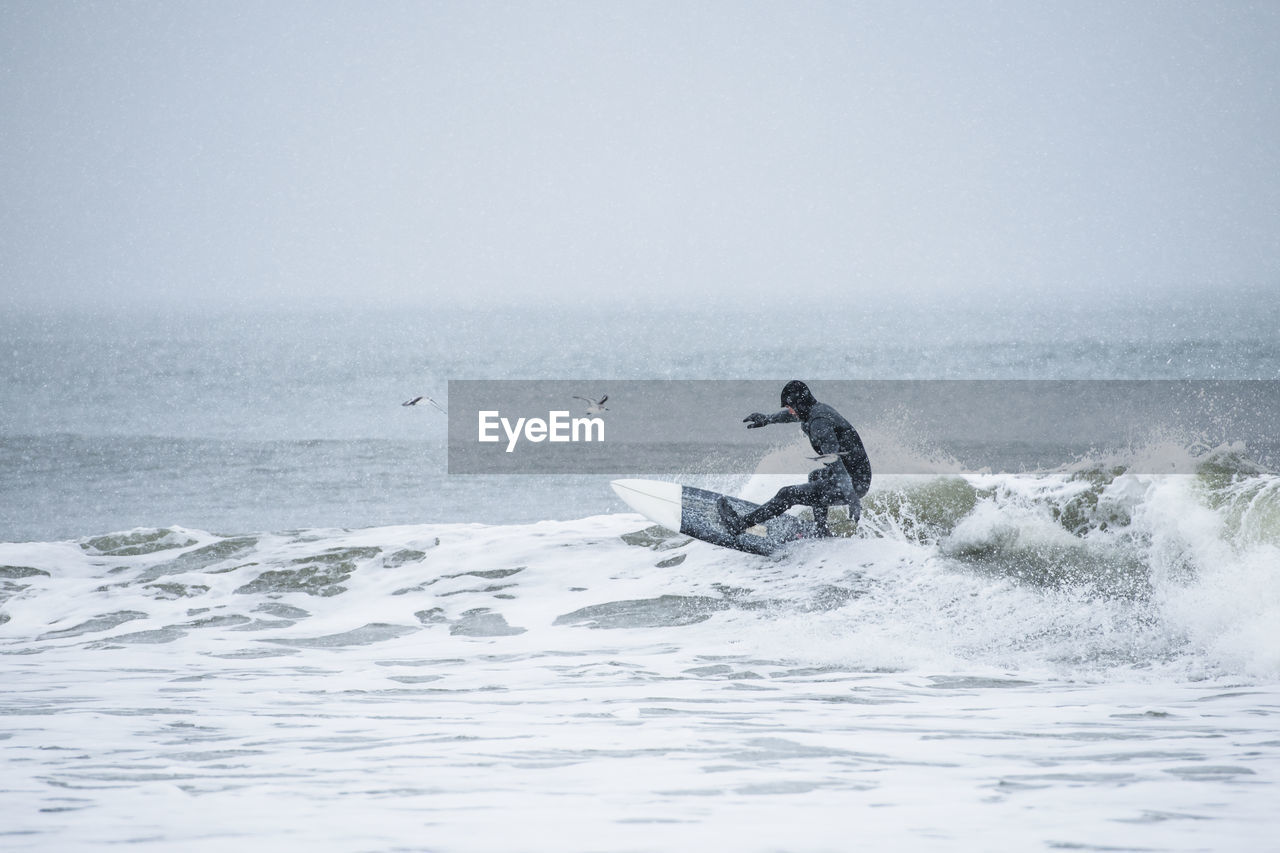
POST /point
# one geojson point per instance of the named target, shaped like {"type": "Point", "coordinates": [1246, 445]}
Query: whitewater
{"type": "Point", "coordinates": [1079, 657]}
{"type": "Point", "coordinates": [966, 668]}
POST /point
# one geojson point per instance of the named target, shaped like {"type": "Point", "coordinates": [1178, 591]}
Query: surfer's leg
{"type": "Point", "coordinates": [823, 490]}
{"type": "Point", "coordinates": [820, 519]}
{"type": "Point", "coordinates": [827, 491]}
{"type": "Point", "coordinates": [785, 499]}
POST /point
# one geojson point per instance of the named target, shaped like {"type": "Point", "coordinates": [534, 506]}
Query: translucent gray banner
{"type": "Point", "coordinates": [657, 427]}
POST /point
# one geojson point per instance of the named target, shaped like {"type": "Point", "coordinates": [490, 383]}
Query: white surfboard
{"type": "Point", "coordinates": [654, 499]}
{"type": "Point", "coordinates": [693, 512]}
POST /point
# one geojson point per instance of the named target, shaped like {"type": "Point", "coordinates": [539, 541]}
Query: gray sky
{"type": "Point", "coordinates": [405, 152]}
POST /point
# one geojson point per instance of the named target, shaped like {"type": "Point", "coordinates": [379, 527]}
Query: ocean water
{"type": "Point", "coordinates": [243, 604]}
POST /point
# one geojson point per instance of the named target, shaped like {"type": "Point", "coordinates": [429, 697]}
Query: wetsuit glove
{"type": "Point", "coordinates": [755, 420]}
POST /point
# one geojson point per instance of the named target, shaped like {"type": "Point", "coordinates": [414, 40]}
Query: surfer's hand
{"type": "Point", "coordinates": [755, 420]}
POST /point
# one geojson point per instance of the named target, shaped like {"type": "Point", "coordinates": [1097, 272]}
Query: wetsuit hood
{"type": "Point", "coordinates": [796, 395]}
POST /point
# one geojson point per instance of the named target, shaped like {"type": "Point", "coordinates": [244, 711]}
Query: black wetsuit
{"type": "Point", "coordinates": [843, 481]}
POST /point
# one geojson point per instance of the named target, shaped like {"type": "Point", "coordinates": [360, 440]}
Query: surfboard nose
{"type": "Point", "coordinates": [654, 499]}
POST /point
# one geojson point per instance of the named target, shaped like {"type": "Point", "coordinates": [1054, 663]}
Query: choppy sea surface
{"type": "Point", "coordinates": [243, 605]}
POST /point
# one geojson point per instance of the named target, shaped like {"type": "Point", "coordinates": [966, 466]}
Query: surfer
{"type": "Point", "coordinates": [844, 478]}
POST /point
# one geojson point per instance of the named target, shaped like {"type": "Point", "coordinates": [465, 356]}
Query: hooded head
{"type": "Point", "coordinates": [797, 397]}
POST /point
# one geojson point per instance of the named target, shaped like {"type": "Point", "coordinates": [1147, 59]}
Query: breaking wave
{"type": "Point", "coordinates": [1085, 572]}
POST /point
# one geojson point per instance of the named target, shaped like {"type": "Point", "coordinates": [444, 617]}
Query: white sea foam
{"type": "Point", "coordinates": [555, 686]}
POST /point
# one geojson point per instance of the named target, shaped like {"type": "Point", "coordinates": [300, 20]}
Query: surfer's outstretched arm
{"type": "Point", "coordinates": [755, 420]}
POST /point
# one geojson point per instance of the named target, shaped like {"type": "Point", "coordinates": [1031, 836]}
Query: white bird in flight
{"type": "Point", "coordinates": [594, 407]}
{"type": "Point", "coordinates": [416, 400]}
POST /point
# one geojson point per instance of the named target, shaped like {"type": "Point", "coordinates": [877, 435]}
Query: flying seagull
{"type": "Point", "coordinates": [594, 407]}
{"type": "Point", "coordinates": [416, 400]}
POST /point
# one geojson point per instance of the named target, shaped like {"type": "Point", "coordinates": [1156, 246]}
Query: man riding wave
{"type": "Point", "coordinates": [844, 478]}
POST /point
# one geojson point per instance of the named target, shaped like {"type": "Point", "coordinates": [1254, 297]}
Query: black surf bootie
{"type": "Point", "coordinates": [729, 517]}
